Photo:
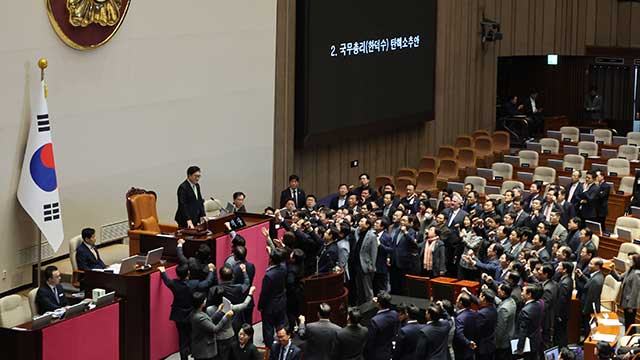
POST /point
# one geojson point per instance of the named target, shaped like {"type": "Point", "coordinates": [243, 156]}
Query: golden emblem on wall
{"type": "Point", "coordinates": [86, 24]}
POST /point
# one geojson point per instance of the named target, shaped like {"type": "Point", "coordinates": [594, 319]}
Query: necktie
{"type": "Point", "coordinates": [195, 190]}
{"type": "Point", "coordinates": [282, 353]}
{"type": "Point", "coordinates": [453, 216]}
{"type": "Point", "coordinates": [547, 213]}
{"type": "Point", "coordinates": [94, 251]}
{"type": "Point", "coordinates": [55, 292]}
{"type": "Point", "coordinates": [294, 192]}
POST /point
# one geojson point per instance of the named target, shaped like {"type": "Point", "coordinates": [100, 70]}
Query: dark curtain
{"type": "Point", "coordinates": [615, 85]}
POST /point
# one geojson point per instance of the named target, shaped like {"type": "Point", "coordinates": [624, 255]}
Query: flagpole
{"type": "Point", "coordinates": [42, 64]}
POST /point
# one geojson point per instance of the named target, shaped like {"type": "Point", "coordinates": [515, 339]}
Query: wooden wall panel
{"type": "Point", "coordinates": [465, 80]}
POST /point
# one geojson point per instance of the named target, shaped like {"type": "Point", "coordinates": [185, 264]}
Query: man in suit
{"type": "Point", "coordinates": [408, 335]}
{"type": "Point", "coordinates": [590, 297]}
{"type": "Point", "coordinates": [351, 340]}
{"type": "Point", "coordinates": [365, 183]}
{"type": "Point", "coordinates": [602, 208]}
{"type": "Point", "coordinates": [50, 296]}
{"type": "Point", "coordinates": [506, 206]}
{"type": "Point", "coordinates": [573, 236]}
{"type": "Point", "coordinates": [534, 190]}
{"type": "Point", "coordinates": [410, 201]}
{"type": "Point", "coordinates": [273, 301]}
{"type": "Point", "coordinates": [567, 209]}
{"type": "Point", "coordinates": [432, 343]}
{"type": "Point", "coordinates": [190, 202]}
{"type": "Point", "coordinates": [575, 188]}
{"type": "Point", "coordinates": [521, 215]}
{"type": "Point", "coordinates": [530, 321]}
{"type": "Point", "coordinates": [486, 327]}
{"type": "Point", "coordinates": [404, 255]}
{"type": "Point", "coordinates": [284, 349]}
{"type": "Point", "coordinates": [293, 192]}
{"type": "Point", "coordinates": [589, 198]}
{"type": "Point", "coordinates": [382, 329]}
{"type": "Point", "coordinates": [505, 323]}
{"type": "Point", "coordinates": [320, 336]}
{"type": "Point", "coordinates": [364, 254]}
{"type": "Point", "coordinates": [533, 110]}
{"type": "Point", "coordinates": [388, 207]}
{"type": "Point", "coordinates": [535, 217]}
{"type": "Point", "coordinates": [549, 205]}
{"type": "Point", "coordinates": [455, 219]}
{"type": "Point", "coordinates": [511, 107]}
{"type": "Point", "coordinates": [593, 105]}
{"type": "Point", "coordinates": [381, 276]}
{"type": "Point", "coordinates": [198, 264]}
{"type": "Point", "coordinates": [466, 336]}
{"type": "Point", "coordinates": [565, 291]}
{"type": "Point", "coordinates": [328, 257]}
{"type": "Point", "coordinates": [87, 255]}
{"type": "Point", "coordinates": [183, 289]}
{"type": "Point", "coordinates": [539, 243]}
{"type": "Point", "coordinates": [544, 275]}
{"type": "Point", "coordinates": [237, 206]}
{"type": "Point", "coordinates": [203, 330]}
{"type": "Point", "coordinates": [227, 288]}
{"type": "Point", "coordinates": [472, 207]}
{"type": "Point", "coordinates": [340, 201]}
{"type": "Point", "coordinates": [559, 233]}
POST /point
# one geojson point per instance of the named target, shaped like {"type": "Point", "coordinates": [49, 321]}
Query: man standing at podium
{"type": "Point", "coordinates": [190, 203]}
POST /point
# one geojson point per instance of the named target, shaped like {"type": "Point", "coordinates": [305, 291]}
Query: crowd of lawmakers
{"type": "Point", "coordinates": [529, 254]}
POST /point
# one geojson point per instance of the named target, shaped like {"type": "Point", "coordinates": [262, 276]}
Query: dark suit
{"type": "Point", "coordinates": [602, 208]}
{"type": "Point", "coordinates": [466, 332]}
{"type": "Point", "coordinates": [573, 240]}
{"type": "Point", "coordinates": [294, 352]}
{"type": "Point", "coordinates": [247, 314]}
{"type": "Point", "coordinates": [549, 297]}
{"type": "Point", "coordinates": [46, 300]}
{"type": "Point", "coordinates": [86, 260]}
{"type": "Point", "coordinates": [350, 343]}
{"type": "Point", "coordinates": [433, 341]}
{"type": "Point", "coordinates": [575, 198]}
{"type": "Point", "coordinates": [407, 341]}
{"type": "Point", "coordinates": [529, 326]}
{"type": "Point", "coordinates": [286, 195]}
{"type": "Point", "coordinates": [568, 211]}
{"type": "Point", "coordinates": [328, 257]}
{"type": "Point", "coordinates": [203, 335]}
{"type": "Point", "coordinates": [321, 339]}
{"type": "Point", "coordinates": [382, 330]}
{"type": "Point", "coordinates": [190, 206]}
{"type": "Point", "coordinates": [589, 210]}
{"type": "Point", "coordinates": [565, 291]}
{"type": "Point", "coordinates": [504, 208]}
{"type": "Point", "coordinates": [411, 205]}
{"type": "Point", "coordinates": [527, 202]}
{"type": "Point", "coordinates": [334, 204]}
{"type": "Point", "coordinates": [590, 297]}
{"type": "Point", "coordinates": [521, 219]}
{"type": "Point", "coordinates": [273, 301]}
{"type": "Point", "coordinates": [488, 316]}
{"type": "Point", "coordinates": [404, 258]}
{"type": "Point", "coordinates": [532, 221]}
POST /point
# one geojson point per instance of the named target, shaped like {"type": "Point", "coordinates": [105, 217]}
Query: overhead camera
{"type": "Point", "coordinates": [490, 31]}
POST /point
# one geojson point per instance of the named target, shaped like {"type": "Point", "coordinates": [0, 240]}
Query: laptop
{"type": "Point", "coordinates": [76, 309]}
{"type": "Point", "coordinates": [609, 153]}
{"type": "Point", "coordinates": [554, 134]}
{"type": "Point", "coordinates": [127, 265]}
{"type": "Point", "coordinates": [490, 190]}
{"type": "Point", "coordinates": [41, 321]}
{"type": "Point", "coordinates": [595, 227]}
{"type": "Point", "coordinates": [587, 137]}
{"type": "Point", "coordinates": [485, 173]}
{"type": "Point", "coordinates": [635, 210]}
{"type": "Point", "coordinates": [455, 186]}
{"type": "Point", "coordinates": [537, 147]}
{"type": "Point", "coordinates": [154, 256]}
{"type": "Point", "coordinates": [552, 353]}
{"type": "Point", "coordinates": [624, 234]}
{"type": "Point", "coordinates": [513, 160]}
{"type": "Point", "coordinates": [564, 180]}
{"type": "Point", "coordinates": [619, 140]}
{"type": "Point", "coordinates": [106, 299]}
{"type": "Point", "coordinates": [570, 149]}
{"type": "Point", "coordinates": [555, 163]}
{"type": "Point", "coordinates": [525, 176]}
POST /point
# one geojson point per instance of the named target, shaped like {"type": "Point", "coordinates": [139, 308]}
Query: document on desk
{"type": "Point", "coordinates": [609, 322]}
{"type": "Point", "coordinates": [115, 267]}
{"type": "Point", "coordinates": [603, 337]}
{"type": "Point", "coordinates": [514, 346]}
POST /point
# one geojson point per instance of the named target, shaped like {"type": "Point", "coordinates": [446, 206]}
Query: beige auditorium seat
{"type": "Point", "coordinates": [528, 157]}
{"type": "Point", "coordinates": [628, 152]}
{"type": "Point", "coordinates": [573, 161]}
{"type": "Point", "coordinates": [609, 295]}
{"type": "Point", "coordinates": [74, 243]}
{"type": "Point", "coordinates": [502, 169]}
{"type": "Point", "coordinates": [588, 147]}
{"type": "Point", "coordinates": [549, 145]}
{"type": "Point", "coordinates": [630, 224]}
{"type": "Point", "coordinates": [620, 167]}
{"type": "Point", "coordinates": [626, 184]}
{"type": "Point", "coordinates": [496, 197]}
{"type": "Point", "coordinates": [478, 182]}
{"type": "Point", "coordinates": [602, 136]}
{"type": "Point", "coordinates": [633, 138]}
{"type": "Point", "coordinates": [32, 301]}
{"type": "Point", "coordinates": [571, 133]}
{"type": "Point", "coordinates": [212, 208]}
{"type": "Point", "coordinates": [545, 174]}
{"type": "Point", "coordinates": [510, 184]}
{"type": "Point", "coordinates": [625, 249]}
{"type": "Point", "coordinates": [595, 240]}
{"type": "Point", "coordinates": [14, 310]}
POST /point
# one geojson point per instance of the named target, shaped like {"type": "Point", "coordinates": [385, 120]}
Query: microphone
{"type": "Point", "coordinates": [222, 208]}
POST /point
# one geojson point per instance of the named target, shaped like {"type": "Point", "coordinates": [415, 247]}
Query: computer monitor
{"type": "Point", "coordinates": [76, 309]}
{"type": "Point", "coordinates": [534, 146]}
{"type": "Point", "coordinates": [106, 299]}
{"type": "Point", "coordinates": [525, 176]}
{"type": "Point", "coordinates": [564, 180]}
{"type": "Point", "coordinates": [455, 186]}
{"type": "Point", "coordinates": [128, 264]}
{"type": "Point", "coordinates": [635, 210]}
{"type": "Point", "coordinates": [485, 173]}
{"type": "Point", "coordinates": [595, 227]}
{"type": "Point", "coordinates": [41, 321]}
{"type": "Point", "coordinates": [624, 234]}
{"type": "Point", "coordinates": [154, 256]}
{"type": "Point", "coordinates": [587, 137]}
{"type": "Point", "coordinates": [555, 163]}
{"type": "Point", "coordinates": [552, 353]}
{"type": "Point", "coordinates": [577, 349]}
{"type": "Point", "coordinates": [600, 167]}
{"type": "Point", "coordinates": [619, 140]}
{"type": "Point", "coordinates": [490, 190]}
{"type": "Point", "coordinates": [554, 134]}
{"type": "Point", "coordinates": [570, 149]}
{"type": "Point", "coordinates": [609, 153]}
{"type": "Point", "coordinates": [513, 160]}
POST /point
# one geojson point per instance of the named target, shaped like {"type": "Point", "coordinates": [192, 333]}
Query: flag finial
{"type": "Point", "coordinates": [42, 64]}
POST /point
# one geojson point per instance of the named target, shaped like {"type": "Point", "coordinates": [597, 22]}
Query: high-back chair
{"type": "Point", "coordinates": [448, 169]}
{"type": "Point", "coordinates": [407, 172]}
{"type": "Point", "coordinates": [602, 136]}
{"type": "Point", "coordinates": [570, 133]}
{"type": "Point", "coordinates": [550, 145]}
{"type": "Point", "coordinates": [626, 184]}
{"type": "Point", "coordinates": [32, 301]}
{"type": "Point", "coordinates": [212, 207]}
{"type": "Point", "coordinates": [466, 158]}
{"type": "Point", "coordinates": [484, 150]}
{"type": "Point", "coordinates": [528, 158]}
{"type": "Point", "coordinates": [447, 152]}
{"type": "Point", "coordinates": [14, 310]}
{"type": "Point", "coordinates": [427, 180]}
{"type": "Point", "coordinates": [428, 163]}
{"type": "Point", "coordinates": [574, 162]}
{"type": "Point", "coordinates": [401, 185]}
{"type": "Point", "coordinates": [143, 217]}
{"type": "Point", "coordinates": [503, 170]}
{"type": "Point", "coordinates": [381, 180]}
{"type": "Point", "coordinates": [609, 295]}
{"type": "Point", "coordinates": [630, 224]}
{"type": "Point", "coordinates": [619, 167]}
{"type": "Point", "coordinates": [501, 142]}
{"type": "Point", "coordinates": [463, 141]}
{"type": "Point", "coordinates": [588, 147]}
{"type": "Point", "coordinates": [476, 134]}
{"type": "Point", "coordinates": [633, 138]}
{"type": "Point", "coordinates": [545, 174]}
{"type": "Point", "coordinates": [479, 183]}
{"type": "Point", "coordinates": [629, 152]}
{"type": "Point", "coordinates": [510, 184]}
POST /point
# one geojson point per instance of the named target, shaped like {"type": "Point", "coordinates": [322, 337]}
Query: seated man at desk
{"type": "Point", "coordinates": [87, 255]}
{"type": "Point", "coordinates": [237, 205]}
{"type": "Point", "coordinates": [50, 296]}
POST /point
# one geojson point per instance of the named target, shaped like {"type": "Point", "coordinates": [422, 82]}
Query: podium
{"type": "Point", "coordinates": [326, 288]}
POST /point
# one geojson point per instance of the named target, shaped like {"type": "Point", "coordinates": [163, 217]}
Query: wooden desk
{"type": "Point", "coordinates": [609, 246]}
{"type": "Point", "coordinates": [326, 288]}
{"type": "Point", "coordinates": [574, 330]}
{"type": "Point", "coordinates": [90, 335]}
{"type": "Point", "coordinates": [145, 329]}
{"type": "Point", "coordinates": [589, 344]}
